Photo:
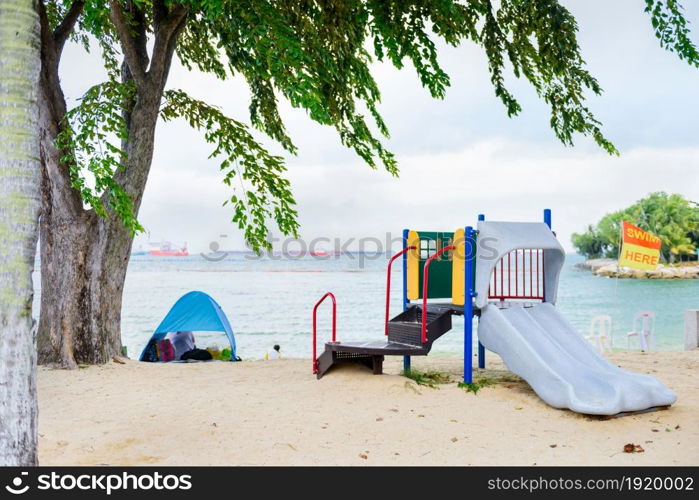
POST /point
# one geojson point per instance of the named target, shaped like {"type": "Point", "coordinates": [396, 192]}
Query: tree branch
{"type": "Point", "coordinates": [128, 44]}
{"type": "Point", "coordinates": [165, 36]}
{"type": "Point", "coordinates": [140, 38]}
{"type": "Point", "coordinates": [159, 13]}
{"type": "Point", "coordinates": [171, 50]}
{"type": "Point", "coordinates": [62, 31]}
{"type": "Point", "coordinates": [50, 58]}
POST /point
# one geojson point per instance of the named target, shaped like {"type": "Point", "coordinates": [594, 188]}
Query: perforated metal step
{"type": "Point", "coordinates": [406, 328]}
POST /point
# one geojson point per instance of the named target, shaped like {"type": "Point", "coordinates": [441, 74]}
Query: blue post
{"type": "Point", "coordinates": [547, 221]}
{"type": "Point", "coordinates": [481, 349]}
{"type": "Point", "coordinates": [406, 359]}
{"type": "Point", "coordinates": [468, 305]}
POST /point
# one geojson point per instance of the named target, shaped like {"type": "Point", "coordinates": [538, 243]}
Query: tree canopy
{"type": "Point", "coordinates": [671, 217]}
{"type": "Point", "coordinates": [317, 55]}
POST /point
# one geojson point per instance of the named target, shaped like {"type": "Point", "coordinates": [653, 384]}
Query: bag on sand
{"type": "Point", "coordinates": [197, 354]}
{"type": "Point", "coordinates": [167, 352]}
{"type": "Point", "coordinates": [151, 354]}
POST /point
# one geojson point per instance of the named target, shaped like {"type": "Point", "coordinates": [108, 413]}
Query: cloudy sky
{"type": "Point", "coordinates": [458, 157]}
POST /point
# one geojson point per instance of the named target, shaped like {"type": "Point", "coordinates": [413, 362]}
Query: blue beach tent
{"type": "Point", "coordinates": [194, 312]}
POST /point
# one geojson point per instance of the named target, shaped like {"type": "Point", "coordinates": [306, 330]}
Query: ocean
{"type": "Point", "coordinates": [269, 300]}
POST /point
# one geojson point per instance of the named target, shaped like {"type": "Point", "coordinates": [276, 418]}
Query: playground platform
{"type": "Point", "coordinates": [506, 274]}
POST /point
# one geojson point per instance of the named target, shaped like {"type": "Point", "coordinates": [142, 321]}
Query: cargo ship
{"type": "Point", "coordinates": [166, 249]}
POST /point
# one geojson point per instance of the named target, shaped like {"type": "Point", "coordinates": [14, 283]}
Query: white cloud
{"type": "Point", "coordinates": [505, 180]}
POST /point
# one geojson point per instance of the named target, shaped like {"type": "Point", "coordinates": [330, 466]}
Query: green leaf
{"type": "Point", "coordinates": [86, 139]}
{"type": "Point", "coordinates": [261, 193]}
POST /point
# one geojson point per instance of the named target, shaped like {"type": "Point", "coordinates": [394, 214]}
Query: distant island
{"type": "Point", "coordinates": [609, 269]}
{"type": "Point", "coordinates": [671, 217]}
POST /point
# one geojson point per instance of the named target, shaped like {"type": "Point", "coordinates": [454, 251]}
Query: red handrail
{"type": "Point", "coordinates": [425, 279]}
{"type": "Point", "coordinates": [315, 309]}
{"type": "Point", "coordinates": [388, 283]}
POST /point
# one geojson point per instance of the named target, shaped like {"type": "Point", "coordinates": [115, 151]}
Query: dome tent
{"type": "Point", "coordinates": [194, 311]}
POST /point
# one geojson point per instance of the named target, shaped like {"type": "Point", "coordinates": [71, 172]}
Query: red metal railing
{"type": "Point", "coordinates": [518, 275]}
{"type": "Point", "coordinates": [388, 284]}
{"type": "Point", "coordinates": [425, 280]}
{"type": "Point", "coordinates": [334, 337]}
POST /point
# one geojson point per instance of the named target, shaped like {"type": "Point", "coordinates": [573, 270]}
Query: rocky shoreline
{"type": "Point", "coordinates": [609, 268]}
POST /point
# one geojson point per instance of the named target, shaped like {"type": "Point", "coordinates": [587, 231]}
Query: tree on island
{"type": "Point", "coordinates": [317, 55]}
{"type": "Point", "coordinates": [20, 185]}
{"type": "Point", "coordinates": [671, 217]}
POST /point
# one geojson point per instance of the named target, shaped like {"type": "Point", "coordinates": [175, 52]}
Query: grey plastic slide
{"type": "Point", "coordinates": [539, 345]}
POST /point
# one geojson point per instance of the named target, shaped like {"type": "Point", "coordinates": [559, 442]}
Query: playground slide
{"type": "Point", "coordinates": [539, 345]}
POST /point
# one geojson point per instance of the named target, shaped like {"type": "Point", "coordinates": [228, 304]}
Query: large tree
{"type": "Point", "coordinates": [316, 54]}
{"type": "Point", "coordinates": [20, 181]}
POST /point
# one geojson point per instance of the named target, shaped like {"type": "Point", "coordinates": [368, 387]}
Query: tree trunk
{"type": "Point", "coordinates": [84, 257]}
{"type": "Point", "coordinates": [20, 177]}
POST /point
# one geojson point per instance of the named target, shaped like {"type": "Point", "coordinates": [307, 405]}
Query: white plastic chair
{"type": "Point", "coordinates": [601, 333]}
{"type": "Point", "coordinates": [643, 328]}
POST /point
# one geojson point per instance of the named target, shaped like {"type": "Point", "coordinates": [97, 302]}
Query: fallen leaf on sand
{"type": "Point", "coordinates": [677, 427]}
{"type": "Point", "coordinates": [519, 408]}
{"type": "Point", "coordinates": [118, 361]}
{"type": "Point", "coordinates": [552, 445]}
{"type": "Point", "coordinates": [362, 455]}
{"type": "Point", "coordinates": [379, 419]}
{"type": "Point", "coordinates": [633, 448]}
{"type": "Point", "coordinates": [420, 415]}
{"type": "Point", "coordinates": [654, 430]}
{"type": "Point", "coordinates": [454, 440]}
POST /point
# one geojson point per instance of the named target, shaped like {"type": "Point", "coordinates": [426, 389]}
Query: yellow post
{"type": "Point", "coordinates": [458, 268]}
{"type": "Point", "coordinates": [413, 266]}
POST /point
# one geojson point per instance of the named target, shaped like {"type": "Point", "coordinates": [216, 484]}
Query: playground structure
{"type": "Point", "coordinates": [505, 274]}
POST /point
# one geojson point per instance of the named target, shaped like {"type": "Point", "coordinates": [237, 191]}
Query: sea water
{"type": "Point", "coordinates": [269, 300]}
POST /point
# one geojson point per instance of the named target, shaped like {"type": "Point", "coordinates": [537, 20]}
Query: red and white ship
{"type": "Point", "coordinates": [166, 249]}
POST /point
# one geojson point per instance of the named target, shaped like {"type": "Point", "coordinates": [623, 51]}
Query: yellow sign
{"type": "Point", "coordinates": [639, 249]}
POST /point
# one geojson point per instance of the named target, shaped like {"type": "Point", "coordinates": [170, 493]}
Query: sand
{"type": "Point", "coordinates": [276, 413]}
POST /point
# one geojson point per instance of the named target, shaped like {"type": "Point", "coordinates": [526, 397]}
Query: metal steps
{"type": "Point", "coordinates": [404, 339]}
{"type": "Point", "coordinates": [406, 328]}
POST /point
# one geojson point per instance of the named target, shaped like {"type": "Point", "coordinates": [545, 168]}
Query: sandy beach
{"type": "Point", "coordinates": [277, 413]}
